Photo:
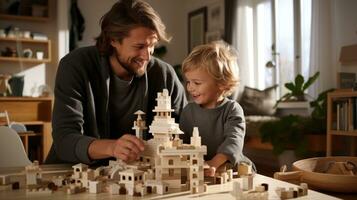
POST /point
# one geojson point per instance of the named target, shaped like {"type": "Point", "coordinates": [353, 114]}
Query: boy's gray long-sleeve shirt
{"type": "Point", "coordinates": [80, 113]}
{"type": "Point", "coordinates": [222, 129]}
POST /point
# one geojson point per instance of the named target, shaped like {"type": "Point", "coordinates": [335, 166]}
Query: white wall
{"type": "Point", "coordinates": [345, 26]}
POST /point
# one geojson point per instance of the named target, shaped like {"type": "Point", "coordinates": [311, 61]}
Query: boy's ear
{"type": "Point", "coordinates": [222, 87]}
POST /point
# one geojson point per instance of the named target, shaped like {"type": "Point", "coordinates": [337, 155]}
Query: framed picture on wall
{"type": "Point", "coordinates": [197, 26]}
{"type": "Point", "coordinates": [346, 80]}
{"type": "Point", "coordinates": [216, 16]}
{"type": "Point", "coordinates": [213, 36]}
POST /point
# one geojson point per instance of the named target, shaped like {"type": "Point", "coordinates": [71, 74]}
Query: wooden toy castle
{"type": "Point", "coordinates": [163, 164]}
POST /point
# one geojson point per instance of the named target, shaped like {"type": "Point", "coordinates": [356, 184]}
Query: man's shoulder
{"type": "Point", "coordinates": [157, 64]}
{"type": "Point", "coordinates": [82, 54]}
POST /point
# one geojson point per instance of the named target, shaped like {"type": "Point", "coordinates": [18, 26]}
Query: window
{"type": "Point", "coordinates": [273, 39]}
{"type": "Point", "coordinates": [293, 28]}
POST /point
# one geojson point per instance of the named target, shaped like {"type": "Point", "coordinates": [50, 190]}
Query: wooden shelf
{"type": "Point", "coordinates": [26, 60]}
{"type": "Point", "coordinates": [345, 133]}
{"type": "Point", "coordinates": [32, 44]}
{"type": "Point", "coordinates": [347, 97]}
{"type": "Point", "coordinates": [22, 17]}
{"type": "Point", "coordinates": [25, 98]}
{"type": "Point", "coordinates": [32, 122]}
{"type": "Point", "coordinates": [24, 40]}
{"type": "Point", "coordinates": [343, 94]}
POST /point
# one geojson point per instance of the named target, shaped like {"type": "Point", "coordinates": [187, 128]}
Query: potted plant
{"type": "Point", "coordinates": [295, 100]}
{"type": "Point", "coordinates": [305, 135]}
{"type": "Point", "coordinates": [297, 88]}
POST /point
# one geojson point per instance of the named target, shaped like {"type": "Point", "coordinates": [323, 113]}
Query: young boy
{"type": "Point", "coordinates": [211, 74]}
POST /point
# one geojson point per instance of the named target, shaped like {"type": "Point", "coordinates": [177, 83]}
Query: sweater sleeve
{"type": "Point", "coordinates": [234, 132]}
{"type": "Point", "coordinates": [69, 142]}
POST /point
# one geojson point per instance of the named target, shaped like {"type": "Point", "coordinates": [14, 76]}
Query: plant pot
{"type": "Point", "coordinates": [300, 108]}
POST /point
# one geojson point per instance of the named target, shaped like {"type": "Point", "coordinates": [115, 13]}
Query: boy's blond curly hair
{"type": "Point", "coordinates": [220, 61]}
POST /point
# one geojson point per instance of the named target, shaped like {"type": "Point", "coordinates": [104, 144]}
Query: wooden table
{"type": "Point", "coordinates": [213, 192]}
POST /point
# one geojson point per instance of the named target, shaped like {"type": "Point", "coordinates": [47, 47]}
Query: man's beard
{"type": "Point", "coordinates": [131, 70]}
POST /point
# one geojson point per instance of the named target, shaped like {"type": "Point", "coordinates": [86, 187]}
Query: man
{"type": "Point", "coordinates": [99, 88]}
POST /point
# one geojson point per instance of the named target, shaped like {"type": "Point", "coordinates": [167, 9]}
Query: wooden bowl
{"type": "Point", "coordinates": [312, 172]}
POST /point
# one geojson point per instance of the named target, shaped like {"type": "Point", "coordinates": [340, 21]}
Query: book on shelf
{"type": "Point", "coordinates": [344, 118]}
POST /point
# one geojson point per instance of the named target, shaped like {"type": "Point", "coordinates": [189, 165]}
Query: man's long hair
{"type": "Point", "coordinates": [124, 16]}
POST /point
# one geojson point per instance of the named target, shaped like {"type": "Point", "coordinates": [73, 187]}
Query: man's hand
{"type": "Point", "coordinates": [127, 148]}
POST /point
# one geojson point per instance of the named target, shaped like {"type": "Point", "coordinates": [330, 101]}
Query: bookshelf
{"type": "Point", "coordinates": [341, 118]}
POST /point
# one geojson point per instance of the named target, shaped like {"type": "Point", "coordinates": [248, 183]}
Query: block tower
{"type": "Point", "coordinates": [139, 124]}
{"type": "Point", "coordinates": [163, 127]}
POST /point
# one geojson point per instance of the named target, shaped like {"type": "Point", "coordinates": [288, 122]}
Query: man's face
{"type": "Point", "coordinates": [134, 52]}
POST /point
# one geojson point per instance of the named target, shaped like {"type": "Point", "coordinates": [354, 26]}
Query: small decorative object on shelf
{"type": "Point", "coordinates": [4, 84]}
{"type": "Point", "coordinates": [2, 33]}
{"type": "Point", "coordinates": [39, 55]}
{"type": "Point", "coordinates": [39, 36]}
{"type": "Point", "coordinates": [27, 53]}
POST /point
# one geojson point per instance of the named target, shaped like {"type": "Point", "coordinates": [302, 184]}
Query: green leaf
{"type": "Point", "coordinates": [290, 86]}
{"type": "Point", "coordinates": [311, 80]}
{"type": "Point", "coordinates": [299, 81]}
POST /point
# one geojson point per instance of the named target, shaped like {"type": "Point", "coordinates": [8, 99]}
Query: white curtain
{"type": "Point", "coordinates": [242, 30]}
{"type": "Point", "coordinates": [321, 58]}
{"type": "Point", "coordinates": [253, 41]}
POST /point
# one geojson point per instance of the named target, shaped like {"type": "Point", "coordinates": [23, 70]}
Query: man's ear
{"type": "Point", "coordinates": [113, 42]}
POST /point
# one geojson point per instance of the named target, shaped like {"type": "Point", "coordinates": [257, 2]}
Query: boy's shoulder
{"type": "Point", "coordinates": [228, 104]}
{"type": "Point", "coordinates": [189, 106]}
{"type": "Point", "coordinates": [232, 106]}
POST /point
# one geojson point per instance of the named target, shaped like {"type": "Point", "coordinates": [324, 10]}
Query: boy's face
{"type": "Point", "coordinates": [134, 52]}
{"type": "Point", "coordinates": [203, 89]}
